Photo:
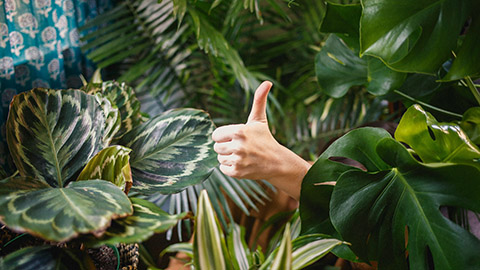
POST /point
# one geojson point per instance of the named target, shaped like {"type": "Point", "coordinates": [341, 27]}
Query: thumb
{"type": "Point", "coordinates": [258, 112]}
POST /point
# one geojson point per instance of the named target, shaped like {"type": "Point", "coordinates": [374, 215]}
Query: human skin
{"type": "Point", "coordinates": [250, 151]}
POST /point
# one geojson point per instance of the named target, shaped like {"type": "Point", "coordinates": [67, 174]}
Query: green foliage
{"type": "Point", "coordinates": [471, 124]}
{"type": "Point", "coordinates": [386, 202]}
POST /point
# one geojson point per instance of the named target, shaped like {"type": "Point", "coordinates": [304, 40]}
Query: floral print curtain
{"type": "Point", "coordinates": [39, 47]}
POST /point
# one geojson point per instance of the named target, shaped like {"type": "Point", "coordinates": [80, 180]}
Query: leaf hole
{"type": "Point", "coordinates": [432, 135]}
{"type": "Point", "coordinates": [429, 258]}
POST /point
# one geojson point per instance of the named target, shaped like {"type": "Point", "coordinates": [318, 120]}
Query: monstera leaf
{"type": "Point", "coordinates": [393, 214]}
{"type": "Point", "coordinates": [338, 68]}
{"type": "Point", "coordinates": [171, 151]}
{"type": "Point", "coordinates": [147, 219]}
{"type": "Point", "coordinates": [436, 142]}
{"type": "Point", "coordinates": [471, 124]}
{"type": "Point", "coordinates": [111, 164]}
{"type": "Point", "coordinates": [52, 134]}
{"type": "Point", "coordinates": [46, 258]}
{"type": "Point", "coordinates": [419, 36]}
{"type": "Point", "coordinates": [59, 214]}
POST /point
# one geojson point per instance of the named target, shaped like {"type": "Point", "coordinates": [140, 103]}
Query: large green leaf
{"type": "Point", "coordinates": [111, 164]}
{"type": "Point", "coordinates": [113, 119]}
{"type": "Point", "coordinates": [171, 151]}
{"type": "Point", "coordinates": [52, 134]}
{"type": "Point", "coordinates": [46, 258]}
{"type": "Point", "coordinates": [209, 248]}
{"type": "Point", "coordinates": [436, 142]}
{"type": "Point", "coordinates": [471, 124]}
{"type": "Point", "coordinates": [387, 213]}
{"type": "Point", "coordinates": [338, 68]}
{"type": "Point", "coordinates": [59, 214]}
{"type": "Point", "coordinates": [146, 220]}
{"type": "Point", "coordinates": [416, 36]}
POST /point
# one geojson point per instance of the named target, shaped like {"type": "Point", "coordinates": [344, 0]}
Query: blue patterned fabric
{"type": "Point", "coordinates": [39, 47]}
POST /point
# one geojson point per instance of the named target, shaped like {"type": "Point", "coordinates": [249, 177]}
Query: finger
{"type": "Point", "coordinates": [227, 160]}
{"type": "Point", "coordinates": [258, 112]}
{"type": "Point", "coordinates": [229, 170]}
{"type": "Point", "coordinates": [224, 148]}
{"type": "Point", "coordinates": [226, 133]}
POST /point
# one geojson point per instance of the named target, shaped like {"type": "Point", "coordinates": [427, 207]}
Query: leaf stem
{"type": "Point", "coordinates": [428, 105]}
{"type": "Point", "coordinates": [472, 88]}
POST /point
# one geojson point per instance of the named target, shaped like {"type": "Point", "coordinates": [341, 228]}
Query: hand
{"type": "Point", "coordinates": [250, 151]}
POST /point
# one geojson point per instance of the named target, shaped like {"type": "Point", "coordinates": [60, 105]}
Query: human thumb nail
{"type": "Point", "coordinates": [258, 112]}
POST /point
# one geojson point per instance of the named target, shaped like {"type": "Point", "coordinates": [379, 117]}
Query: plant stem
{"type": "Point", "coordinates": [427, 105]}
{"type": "Point", "coordinates": [472, 88]}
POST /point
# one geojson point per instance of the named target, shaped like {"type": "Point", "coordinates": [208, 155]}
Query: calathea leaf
{"type": "Point", "coordinates": [416, 36]}
{"type": "Point", "coordinates": [385, 213]}
{"type": "Point", "coordinates": [111, 164]}
{"type": "Point", "coordinates": [51, 134]}
{"type": "Point", "coordinates": [171, 151]}
{"type": "Point", "coordinates": [338, 68]}
{"type": "Point", "coordinates": [59, 214]}
{"type": "Point", "coordinates": [112, 119]}
{"type": "Point", "coordinates": [147, 219]}
{"type": "Point", "coordinates": [471, 124]}
{"type": "Point", "coordinates": [436, 142]}
{"type": "Point", "coordinates": [46, 258]}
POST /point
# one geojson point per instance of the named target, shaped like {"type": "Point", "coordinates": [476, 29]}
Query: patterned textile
{"type": "Point", "coordinates": [39, 47]}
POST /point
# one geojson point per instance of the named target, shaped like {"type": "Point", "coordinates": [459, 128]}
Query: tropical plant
{"type": "Point", "coordinates": [79, 154]}
{"type": "Point", "coordinates": [211, 250]}
{"type": "Point", "coordinates": [394, 207]}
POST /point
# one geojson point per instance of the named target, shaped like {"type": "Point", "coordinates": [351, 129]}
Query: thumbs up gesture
{"type": "Point", "coordinates": [250, 150]}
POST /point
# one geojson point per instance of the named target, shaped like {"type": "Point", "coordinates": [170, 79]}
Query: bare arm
{"type": "Point", "coordinates": [250, 151]}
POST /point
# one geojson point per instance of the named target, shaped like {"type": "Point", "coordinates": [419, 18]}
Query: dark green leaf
{"type": "Point", "coordinates": [147, 219]}
{"type": "Point", "coordinates": [436, 142]}
{"type": "Point", "coordinates": [416, 36]}
{"type": "Point", "coordinates": [46, 258]}
{"type": "Point", "coordinates": [111, 164]}
{"type": "Point", "coordinates": [59, 214]}
{"type": "Point", "coordinates": [171, 151]}
{"type": "Point", "coordinates": [377, 210]}
{"type": "Point", "coordinates": [344, 19]}
{"type": "Point", "coordinates": [52, 134]}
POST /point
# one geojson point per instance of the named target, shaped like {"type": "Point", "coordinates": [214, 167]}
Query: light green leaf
{"type": "Point", "coordinates": [471, 124]}
{"type": "Point", "coordinates": [60, 214]}
{"type": "Point", "coordinates": [46, 258]}
{"type": "Point", "coordinates": [171, 151]}
{"type": "Point", "coordinates": [283, 254]}
{"type": "Point", "coordinates": [209, 248]}
{"type": "Point", "coordinates": [110, 164]}
{"type": "Point", "coordinates": [376, 210]}
{"type": "Point", "coordinates": [146, 220]}
{"type": "Point", "coordinates": [436, 142]}
{"type": "Point", "coordinates": [179, 9]}
{"type": "Point", "coordinates": [186, 248]}
{"type": "Point", "coordinates": [416, 36]}
{"type": "Point", "coordinates": [52, 134]}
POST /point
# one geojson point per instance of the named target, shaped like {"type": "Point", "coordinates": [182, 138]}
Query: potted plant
{"type": "Point", "coordinates": [84, 160]}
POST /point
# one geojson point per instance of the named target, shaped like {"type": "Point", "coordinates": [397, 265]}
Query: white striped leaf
{"type": "Point", "coordinates": [51, 134]}
{"type": "Point", "coordinates": [209, 248]}
{"type": "Point", "coordinates": [46, 258]}
{"type": "Point", "coordinates": [113, 119]}
{"type": "Point", "coordinates": [59, 214]}
{"type": "Point", "coordinates": [238, 248]}
{"type": "Point", "coordinates": [111, 164]}
{"type": "Point", "coordinates": [283, 257]}
{"type": "Point", "coordinates": [308, 249]}
{"type": "Point", "coordinates": [147, 219]}
{"type": "Point", "coordinates": [171, 151]}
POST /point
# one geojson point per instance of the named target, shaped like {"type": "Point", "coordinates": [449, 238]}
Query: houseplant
{"type": "Point", "coordinates": [72, 181]}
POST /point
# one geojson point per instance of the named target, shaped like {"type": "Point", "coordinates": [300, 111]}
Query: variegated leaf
{"type": "Point", "coordinates": [59, 214]}
{"type": "Point", "coordinates": [307, 249]}
{"type": "Point", "coordinates": [209, 248]}
{"type": "Point", "coordinates": [111, 164]}
{"type": "Point", "coordinates": [113, 119]}
{"type": "Point", "coordinates": [283, 257]}
{"type": "Point", "coordinates": [51, 134]}
{"type": "Point", "coordinates": [146, 220]}
{"type": "Point", "coordinates": [171, 151]}
{"type": "Point", "coordinates": [122, 96]}
{"type": "Point", "coordinates": [46, 258]}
